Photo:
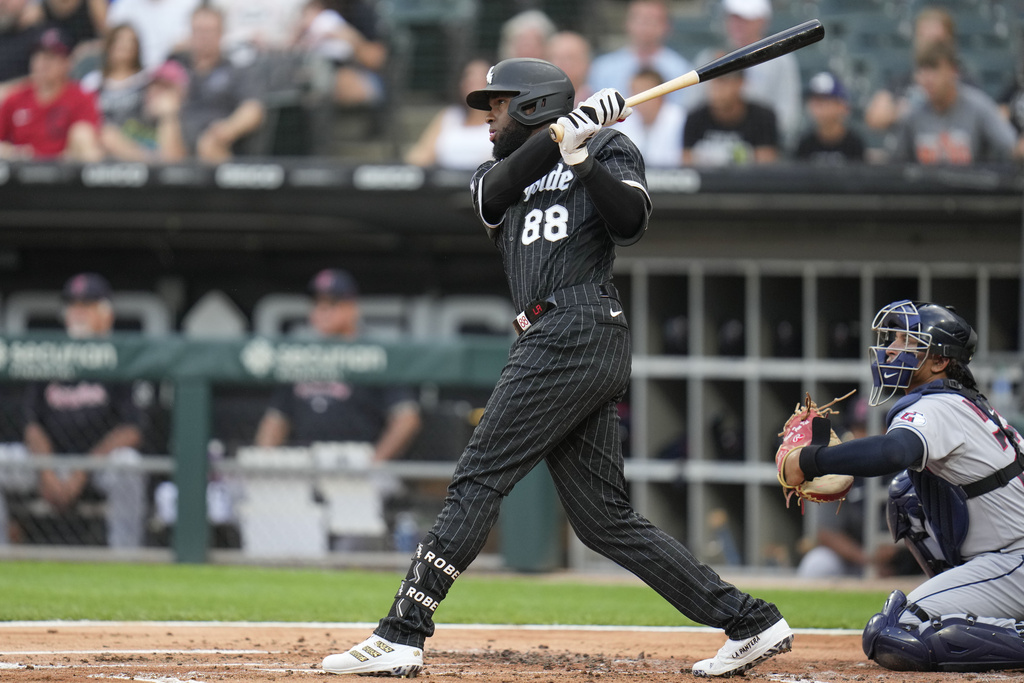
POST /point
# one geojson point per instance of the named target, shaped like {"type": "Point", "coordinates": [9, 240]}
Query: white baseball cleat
{"type": "Point", "coordinates": [377, 657]}
{"type": "Point", "coordinates": [736, 656]}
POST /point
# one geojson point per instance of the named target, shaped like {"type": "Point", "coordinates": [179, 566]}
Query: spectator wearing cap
{"type": "Point", "coordinates": [956, 123]}
{"type": "Point", "coordinates": [308, 412]}
{"type": "Point", "coordinates": [830, 140]}
{"type": "Point", "coordinates": [224, 102]}
{"type": "Point", "coordinates": [153, 133]}
{"type": "Point", "coordinates": [50, 116]}
{"type": "Point", "coordinates": [648, 25]}
{"type": "Point", "coordinates": [774, 84]}
{"type": "Point", "coordinates": [88, 417]}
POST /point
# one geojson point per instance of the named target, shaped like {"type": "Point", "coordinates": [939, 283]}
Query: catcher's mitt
{"type": "Point", "coordinates": [809, 425]}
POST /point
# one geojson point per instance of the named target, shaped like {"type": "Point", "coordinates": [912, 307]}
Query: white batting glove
{"type": "Point", "coordinates": [606, 107]}
{"type": "Point", "coordinates": [577, 128]}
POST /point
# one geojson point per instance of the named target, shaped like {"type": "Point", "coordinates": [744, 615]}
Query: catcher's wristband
{"type": "Point", "coordinates": [821, 435]}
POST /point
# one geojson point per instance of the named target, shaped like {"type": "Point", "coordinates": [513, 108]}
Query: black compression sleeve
{"type": "Point", "coordinates": [505, 181]}
{"type": "Point", "coordinates": [871, 456]}
{"type": "Point", "coordinates": [623, 207]}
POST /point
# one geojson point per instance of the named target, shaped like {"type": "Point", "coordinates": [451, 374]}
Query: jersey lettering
{"type": "Point", "coordinates": [997, 432]}
{"type": "Point", "coordinates": [558, 179]}
{"type": "Point", "coordinates": [553, 223]}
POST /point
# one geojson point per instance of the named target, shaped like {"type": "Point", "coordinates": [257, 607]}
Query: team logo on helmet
{"type": "Point", "coordinates": [490, 75]}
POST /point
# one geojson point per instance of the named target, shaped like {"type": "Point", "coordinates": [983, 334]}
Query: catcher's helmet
{"type": "Point", "coordinates": [532, 83]}
{"type": "Point", "coordinates": [915, 330]}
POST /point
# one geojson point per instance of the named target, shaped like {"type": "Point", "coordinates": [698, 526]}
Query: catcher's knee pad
{"type": "Point", "coordinates": [892, 645]}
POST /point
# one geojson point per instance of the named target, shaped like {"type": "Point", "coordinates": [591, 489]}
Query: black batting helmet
{"type": "Point", "coordinates": [532, 83]}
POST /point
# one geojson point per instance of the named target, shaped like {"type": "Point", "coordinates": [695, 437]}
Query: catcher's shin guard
{"type": "Point", "coordinates": [960, 643]}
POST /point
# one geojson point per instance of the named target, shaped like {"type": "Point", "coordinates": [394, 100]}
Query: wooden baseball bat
{"type": "Point", "coordinates": [745, 57]}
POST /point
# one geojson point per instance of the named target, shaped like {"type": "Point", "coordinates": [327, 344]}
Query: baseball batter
{"type": "Point", "coordinates": [556, 212]}
{"type": "Point", "coordinates": [958, 499]}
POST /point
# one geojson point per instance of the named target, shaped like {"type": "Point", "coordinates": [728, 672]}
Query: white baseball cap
{"type": "Point", "coordinates": [749, 9]}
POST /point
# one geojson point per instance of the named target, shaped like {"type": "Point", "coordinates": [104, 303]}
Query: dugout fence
{"type": "Point", "coordinates": [200, 394]}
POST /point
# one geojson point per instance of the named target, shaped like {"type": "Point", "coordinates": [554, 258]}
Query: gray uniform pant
{"type": "Point", "coordinates": [556, 401]}
{"type": "Point", "coordinates": [988, 585]}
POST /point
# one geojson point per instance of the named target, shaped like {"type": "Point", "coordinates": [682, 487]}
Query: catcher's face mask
{"type": "Point", "coordinates": [900, 349]}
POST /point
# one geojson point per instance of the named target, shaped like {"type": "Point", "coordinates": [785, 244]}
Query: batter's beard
{"type": "Point", "coordinates": [510, 139]}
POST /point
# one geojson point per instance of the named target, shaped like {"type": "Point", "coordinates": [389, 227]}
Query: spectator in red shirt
{"type": "Point", "coordinates": [50, 116]}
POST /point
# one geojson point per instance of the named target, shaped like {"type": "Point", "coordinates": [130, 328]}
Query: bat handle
{"type": "Point", "coordinates": [686, 80]}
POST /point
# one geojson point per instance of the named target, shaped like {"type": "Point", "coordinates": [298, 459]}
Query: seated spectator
{"type": "Point", "coordinates": [458, 136]}
{"type": "Point", "coordinates": [348, 38]}
{"type": "Point", "coordinates": [223, 103]}
{"type": "Point", "coordinates": [525, 35]}
{"type": "Point", "coordinates": [729, 130]}
{"type": "Point", "coordinates": [774, 84]}
{"type": "Point", "coordinates": [647, 26]}
{"type": "Point", "coordinates": [120, 81]}
{"type": "Point", "coordinates": [388, 417]}
{"type": "Point", "coordinates": [18, 37]}
{"type": "Point", "coordinates": [830, 140]}
{"type": "Point", "coordinates": [50, 116]}
{"type": "Point", "coordinates": [656, 126]}
{"type": "Point", "coordinates": [82, 22]}
{"type": "Point", "coordinates": [140, 111]}
{"type": "Point", "coordinates": [956, 123]}
{"type": "Point", "coordinates": [93, 418]}
{"type": "Point", "coordinates": [152, 134]}
{"type": "Point", "coordinates": [336, 411]}
{"type": "Point", "coordinates": [571, 53]}
{"type": "Point", "coordinates": [890, 103]}
{"type": "Point", "coordinates": [162, 25]}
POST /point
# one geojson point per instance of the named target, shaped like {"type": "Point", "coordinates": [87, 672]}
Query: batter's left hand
{"type": "Point", "coordinates": [578, 128]}
{"type": "Point", "coordinates": [606, 107]}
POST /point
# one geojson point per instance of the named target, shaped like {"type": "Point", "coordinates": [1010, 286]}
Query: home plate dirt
{"type": "Point", "coordinates": [198, 652]}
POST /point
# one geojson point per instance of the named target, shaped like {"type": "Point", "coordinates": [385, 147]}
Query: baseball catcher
{"type": "Point", "coordinates": [957, 499]}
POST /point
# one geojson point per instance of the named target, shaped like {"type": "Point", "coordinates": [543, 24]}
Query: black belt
{"type": "Point", "coordinates": [537, 308]}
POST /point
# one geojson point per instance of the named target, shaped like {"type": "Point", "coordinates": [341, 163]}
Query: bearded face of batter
{"type": "Point", "coordinates": [507, 134]}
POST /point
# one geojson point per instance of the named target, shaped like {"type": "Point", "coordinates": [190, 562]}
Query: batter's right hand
{"type": "Point", "coordinates": [578, 127]}
{"type": "Point", "coordinates": [606, 107]}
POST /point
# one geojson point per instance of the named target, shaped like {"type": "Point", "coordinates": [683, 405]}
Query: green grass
{"type": "Point", "coordinates": [172, 592]}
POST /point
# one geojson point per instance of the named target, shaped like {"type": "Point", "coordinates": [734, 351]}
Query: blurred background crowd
{"type": "Point", "coordinates": [903, 81]}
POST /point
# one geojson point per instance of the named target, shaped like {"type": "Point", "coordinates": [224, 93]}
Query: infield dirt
{"type": "Point", "coordinates": [174, 653]}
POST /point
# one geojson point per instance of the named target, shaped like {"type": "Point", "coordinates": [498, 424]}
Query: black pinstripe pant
{"type": "Point", "coordinates": [556, 401]}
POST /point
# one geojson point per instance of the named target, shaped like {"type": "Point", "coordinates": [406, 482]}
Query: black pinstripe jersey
{"type": "Point", "coordinates": [553, 237]}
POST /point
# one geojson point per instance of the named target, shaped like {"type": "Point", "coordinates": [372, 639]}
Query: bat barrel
{"type": "Point", "coordinates": [764, 50]}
